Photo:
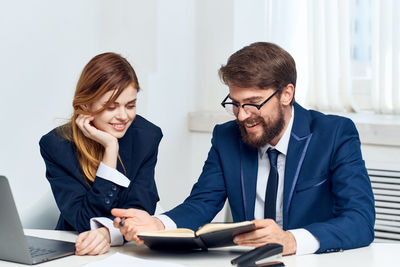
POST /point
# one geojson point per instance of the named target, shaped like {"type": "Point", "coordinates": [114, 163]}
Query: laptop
{"type": "Point", "coordinates": [17, 247]}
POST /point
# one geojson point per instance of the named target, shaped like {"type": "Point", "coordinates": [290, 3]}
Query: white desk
{"type": "Point", "coordinates": [376, 255]}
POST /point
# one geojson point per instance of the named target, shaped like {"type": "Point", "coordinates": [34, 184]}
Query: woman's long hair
{"type": "Point", "coordinates": [105, 72]}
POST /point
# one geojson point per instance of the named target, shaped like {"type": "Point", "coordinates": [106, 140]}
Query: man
{"type": "Point", "coordinates": [297, 172]}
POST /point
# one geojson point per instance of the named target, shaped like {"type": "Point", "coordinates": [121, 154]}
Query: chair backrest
{"type": "Point", "coordinates": [386, 188]}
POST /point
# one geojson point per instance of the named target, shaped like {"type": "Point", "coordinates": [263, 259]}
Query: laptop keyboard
{"type": "Point", "coordinates": [37, 252]}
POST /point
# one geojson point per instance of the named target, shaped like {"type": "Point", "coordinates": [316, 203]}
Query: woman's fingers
{"type": "Point", "coordinates": [80, 239]}
{"type": "Point", "coordinates": [80, 121]}
{"type": "Point", "coordinates": [83, 122]}
{"type": "Point", "coordinates": [92, 242]}
{"type": "Point", "coordinates": [99, 247]}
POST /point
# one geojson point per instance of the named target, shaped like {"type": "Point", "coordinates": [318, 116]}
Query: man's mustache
{"type": "Point", "coordinates": [254, 120]}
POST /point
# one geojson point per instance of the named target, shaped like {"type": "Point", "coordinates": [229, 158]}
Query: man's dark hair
{"type": "Point", "coordinates": [261, 64]}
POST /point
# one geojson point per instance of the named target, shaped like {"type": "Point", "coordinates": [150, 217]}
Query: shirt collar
{"type": "Point", "coordinates": [283, 143]}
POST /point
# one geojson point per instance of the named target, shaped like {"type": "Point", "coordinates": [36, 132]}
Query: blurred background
{"type": "Point", "coordinates": [347, 56]}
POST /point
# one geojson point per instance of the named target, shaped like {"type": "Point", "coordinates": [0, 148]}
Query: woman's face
{"type": "Point", "coordinates": [116, 118]}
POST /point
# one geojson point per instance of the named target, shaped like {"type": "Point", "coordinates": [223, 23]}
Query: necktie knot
{"type": "Point", "coordinates": [273, 156]}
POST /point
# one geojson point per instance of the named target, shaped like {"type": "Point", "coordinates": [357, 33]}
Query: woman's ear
{"type": "Point", "coordinates": [85, 107]}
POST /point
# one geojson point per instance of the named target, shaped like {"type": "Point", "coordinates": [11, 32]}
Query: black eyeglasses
{"type": "Point", "coordinates": [233, 107]}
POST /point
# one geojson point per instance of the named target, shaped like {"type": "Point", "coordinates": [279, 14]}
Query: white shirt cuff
{"type": "Point", "coordinates": [169, 224]}
{"type": "Point", "coordinates": [115, 235]}
{"type": "Point", "coordinates": [306, 242]}
{"type": "Point", "coordinates": [112, 175]}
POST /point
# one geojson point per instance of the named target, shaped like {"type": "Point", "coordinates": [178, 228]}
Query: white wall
{"type": "Point", "coordinates": [175, 46]}
{"type": "Point", "coordinates": [43, 47]}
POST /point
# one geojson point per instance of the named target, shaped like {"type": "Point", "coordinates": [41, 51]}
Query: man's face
{"type": "Point", "coordinates": [261, 127]}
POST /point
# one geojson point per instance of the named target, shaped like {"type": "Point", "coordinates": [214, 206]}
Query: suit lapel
{"type": "Point", "coordinates": [248, 169]}
{"type": "Point", "coordinates": [298, 144]}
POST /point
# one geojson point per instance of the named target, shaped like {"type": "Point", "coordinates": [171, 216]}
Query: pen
{"type": "Point", "coordinates": [121, 223]}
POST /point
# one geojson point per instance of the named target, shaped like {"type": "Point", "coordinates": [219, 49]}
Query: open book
{"type": "Point", "coordinates": [210, 235]}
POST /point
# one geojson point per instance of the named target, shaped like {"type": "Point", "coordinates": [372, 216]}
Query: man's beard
{"type": "Point", "coordinates": [270, 130]}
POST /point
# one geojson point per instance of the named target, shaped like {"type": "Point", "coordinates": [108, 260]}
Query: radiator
{"type": "Point", "coordinates": [386, 188]}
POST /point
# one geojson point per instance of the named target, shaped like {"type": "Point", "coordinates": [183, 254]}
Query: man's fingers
{"type": "Point", "coordinates": [252, 236]}
{"type": "Point", "coordinates": [263, 223]}
{"type": "Point", "coordinates": [126, 229]}
{"type": "Point", "coordinates": [117, 222]}
{"type": "Point", "coordinates": [129, 232]}
{"type": "Point", "coordinates": [268, 231]}
{"type": "Point", "coordinates": [139, 241]}
{"type": "Point", "coordinates": [123, 212]}
{"type": "Point", "coordinates": [134, 221]}
{"type": "Point", "coordinates": [252, 244]}
{"type": "Point", "coordinates": [256, 238]}
{"type": "Point", "coordinates": [262, 234]}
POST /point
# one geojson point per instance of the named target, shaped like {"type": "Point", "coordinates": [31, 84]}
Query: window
{"type": "Point", "coordinates": [361, 54]}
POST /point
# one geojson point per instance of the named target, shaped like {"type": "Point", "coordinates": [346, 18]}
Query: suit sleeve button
{"type": "Point", "coordinates": [107, 201]}
{"type": "Point", "coordinates": [110, 194]}
{"type": "Point", "coordinates": [114, 187]}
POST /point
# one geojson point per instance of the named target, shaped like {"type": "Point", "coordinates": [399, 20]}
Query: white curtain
{"type": "Point", "coordinates": [323, 37]}
{"type": "Point", "coordinates": [385, 45]}
{"type": "Point", "coordinates": [329, 55]}
{"type": "Point", "coordinates": [324, 50]}
{"type": "Point", "coordinates": [317, 34]}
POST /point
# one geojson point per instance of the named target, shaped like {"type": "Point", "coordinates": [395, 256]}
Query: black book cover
{"type": "Point", "coordinates": [209, 236]}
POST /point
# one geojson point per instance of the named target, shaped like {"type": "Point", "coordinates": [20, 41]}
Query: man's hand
{"type": "Point", "coordinates": [134, 221]}
{"type": "Point", "coordinates": [93, 242]}
{"type": "Point", "coordinates": [267, 231]}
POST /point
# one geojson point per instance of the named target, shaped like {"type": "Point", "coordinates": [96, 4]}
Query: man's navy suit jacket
{"type": "Point", "coordinates": [77, 201]}
{"type": "Point", "coordinates": [327, 190]}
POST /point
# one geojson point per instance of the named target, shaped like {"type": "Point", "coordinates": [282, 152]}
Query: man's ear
{"type": "Point", "coordinates": [287, 94]}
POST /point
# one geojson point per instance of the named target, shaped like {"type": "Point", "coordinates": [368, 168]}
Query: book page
{"type": "Point", "coordinates": [180, 232]}
{"type": "Point", "coordinates": [213, 227]}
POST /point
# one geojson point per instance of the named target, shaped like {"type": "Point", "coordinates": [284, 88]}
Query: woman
{"type": "Point", "coordinates": [104, 157]}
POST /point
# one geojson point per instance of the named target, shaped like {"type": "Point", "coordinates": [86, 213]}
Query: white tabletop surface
{"type": "Point", "coordinates": [378, 254]}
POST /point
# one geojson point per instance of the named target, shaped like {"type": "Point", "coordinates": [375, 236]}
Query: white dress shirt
{"type": "Point", "coordinates": [306, 242]}
{"type": "Point", "coordinates": [112, 175]}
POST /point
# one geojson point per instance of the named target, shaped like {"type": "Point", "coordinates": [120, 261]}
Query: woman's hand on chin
{"type": "Point", "coordinates": [84, 123]}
